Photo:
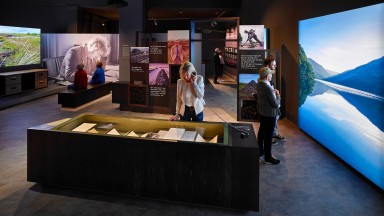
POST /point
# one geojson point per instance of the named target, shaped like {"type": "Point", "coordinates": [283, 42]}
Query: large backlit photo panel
{"type": "Point", "coordinates": [65, 51]}
{"type": "Point", "coordinates": [341, 93]}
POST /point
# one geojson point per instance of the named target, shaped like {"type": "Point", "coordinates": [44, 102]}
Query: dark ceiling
{"type": "Point", "coordinates": [169, 13]}
{"type": "Point", "coordinates": [154, 9]}
{"type": "Point", "coordinates": [196, 9]}
{"type": "Point", "coordinates": [107, 13]}
{"type": "Point", "coordinates": [175, 9]}
{"type": "Point", "coordinates": [190, 13]}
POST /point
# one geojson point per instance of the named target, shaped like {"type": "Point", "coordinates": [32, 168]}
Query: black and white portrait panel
{"type": "Point", "coordinates": [62, 52]}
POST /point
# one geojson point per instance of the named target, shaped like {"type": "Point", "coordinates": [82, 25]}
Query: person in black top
{"type": "Point", "coordinates": [216, 60]}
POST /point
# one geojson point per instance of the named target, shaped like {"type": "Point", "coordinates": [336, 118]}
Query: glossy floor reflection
{"type": "Point", "coordinates": [308, 181]}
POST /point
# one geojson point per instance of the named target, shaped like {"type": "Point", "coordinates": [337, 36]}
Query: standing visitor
{"type": "Point", "coordinates": [271, 63]}
{"type": "Point", "coordinates": [268, 108]}
{"type": "Point", "coordinates": [216, 61]}
{"type": "Point", "coordinates": [190, 93]}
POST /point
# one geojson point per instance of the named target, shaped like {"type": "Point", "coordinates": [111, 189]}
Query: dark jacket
{"type": "Point", "coordinates": [267, 103]}
{"type": "Point", "coordinates": [216, 60]}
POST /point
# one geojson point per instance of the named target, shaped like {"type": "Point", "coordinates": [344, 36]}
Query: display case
{"type": "Point", "coordinates": [209, 163]}
{"type": "Point", "coordinates": [139, 128]}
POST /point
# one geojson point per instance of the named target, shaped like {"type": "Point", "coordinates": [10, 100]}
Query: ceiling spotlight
{"type": "Point", "coordinates": [155, 22]}
{"type": "Point", "coordinates": [213, 23]}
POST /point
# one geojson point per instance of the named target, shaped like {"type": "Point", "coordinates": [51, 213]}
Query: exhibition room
{"type": "Point", "coordinates": [124, 107]}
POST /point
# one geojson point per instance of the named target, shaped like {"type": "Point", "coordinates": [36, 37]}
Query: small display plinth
{"type": "Point", "coordinates": [248, 110]}
{"type": "Point", "coordinates": [145, 98]}
{"type": "Point", "coordinates": [138, 95]}
{"type": "Point", "coordinates": [124, 156]}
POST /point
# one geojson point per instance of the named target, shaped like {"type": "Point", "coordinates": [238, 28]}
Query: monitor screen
{"type": "Point", "coordinates": [19, 46]}
{"type": "Point", "coordinates": [341, 91]}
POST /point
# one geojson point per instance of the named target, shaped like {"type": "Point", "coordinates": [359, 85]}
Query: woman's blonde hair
{"type": "Point", "coordinates": [186, 67]}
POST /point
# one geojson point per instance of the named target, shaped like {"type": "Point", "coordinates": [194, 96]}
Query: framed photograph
{"type": "Point", "coordinates": [252, 37]}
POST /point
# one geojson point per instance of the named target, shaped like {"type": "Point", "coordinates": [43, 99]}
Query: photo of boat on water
{"type": "Point", "coordinates": [341, 91]}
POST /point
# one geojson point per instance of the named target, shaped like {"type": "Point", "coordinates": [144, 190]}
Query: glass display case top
{"type": "Point", "coordinates": [142, 128]}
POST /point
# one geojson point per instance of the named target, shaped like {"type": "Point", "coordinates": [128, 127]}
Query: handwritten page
{"type": "Point", "coordinates": [189, 136]}
{"type": "Point", "coordinates": [174, 133]}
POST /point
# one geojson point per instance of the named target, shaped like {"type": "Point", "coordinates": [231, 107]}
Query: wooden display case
{"type": "Point", "coordinates": [223, 173]}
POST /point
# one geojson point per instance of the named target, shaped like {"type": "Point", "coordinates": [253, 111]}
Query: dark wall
{"type": "Point", "coordinates": [57, 19]}
{"type": "Point", "coordinates": [48, 19]}
{"type": "Point", "coordinates": [131, 22]}
{"type": "Point", "coordinates": [64, 16]}
{"type": "Point", "coordinates": [281, 18]}
{"type": "Point", "coordinates": [193, 4]}
{"type": "Point", "coordinates": [162, 26]}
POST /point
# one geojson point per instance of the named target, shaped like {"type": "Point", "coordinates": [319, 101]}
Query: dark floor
{"type": "Point", "coordinates": [309, 181]}
{"type": "Point", "coordinates": [12, 100]}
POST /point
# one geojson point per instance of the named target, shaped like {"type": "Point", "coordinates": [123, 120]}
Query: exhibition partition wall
{"type": "Point", "coordinates": [154, 71]}
{"type": "Point", "coordinates": [250, 62]}
{"type": "Point", "coordinates": [250, 56]}
{"type": "Point", "coordinates": [341, 98]}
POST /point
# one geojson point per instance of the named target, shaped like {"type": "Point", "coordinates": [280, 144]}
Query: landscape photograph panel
{"type": "Point", "coordinates": [247, 85]}
{"type": "Point", "coordinates": [19, 46]}
{"type": "Point", "coordinates": [341, 96]}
